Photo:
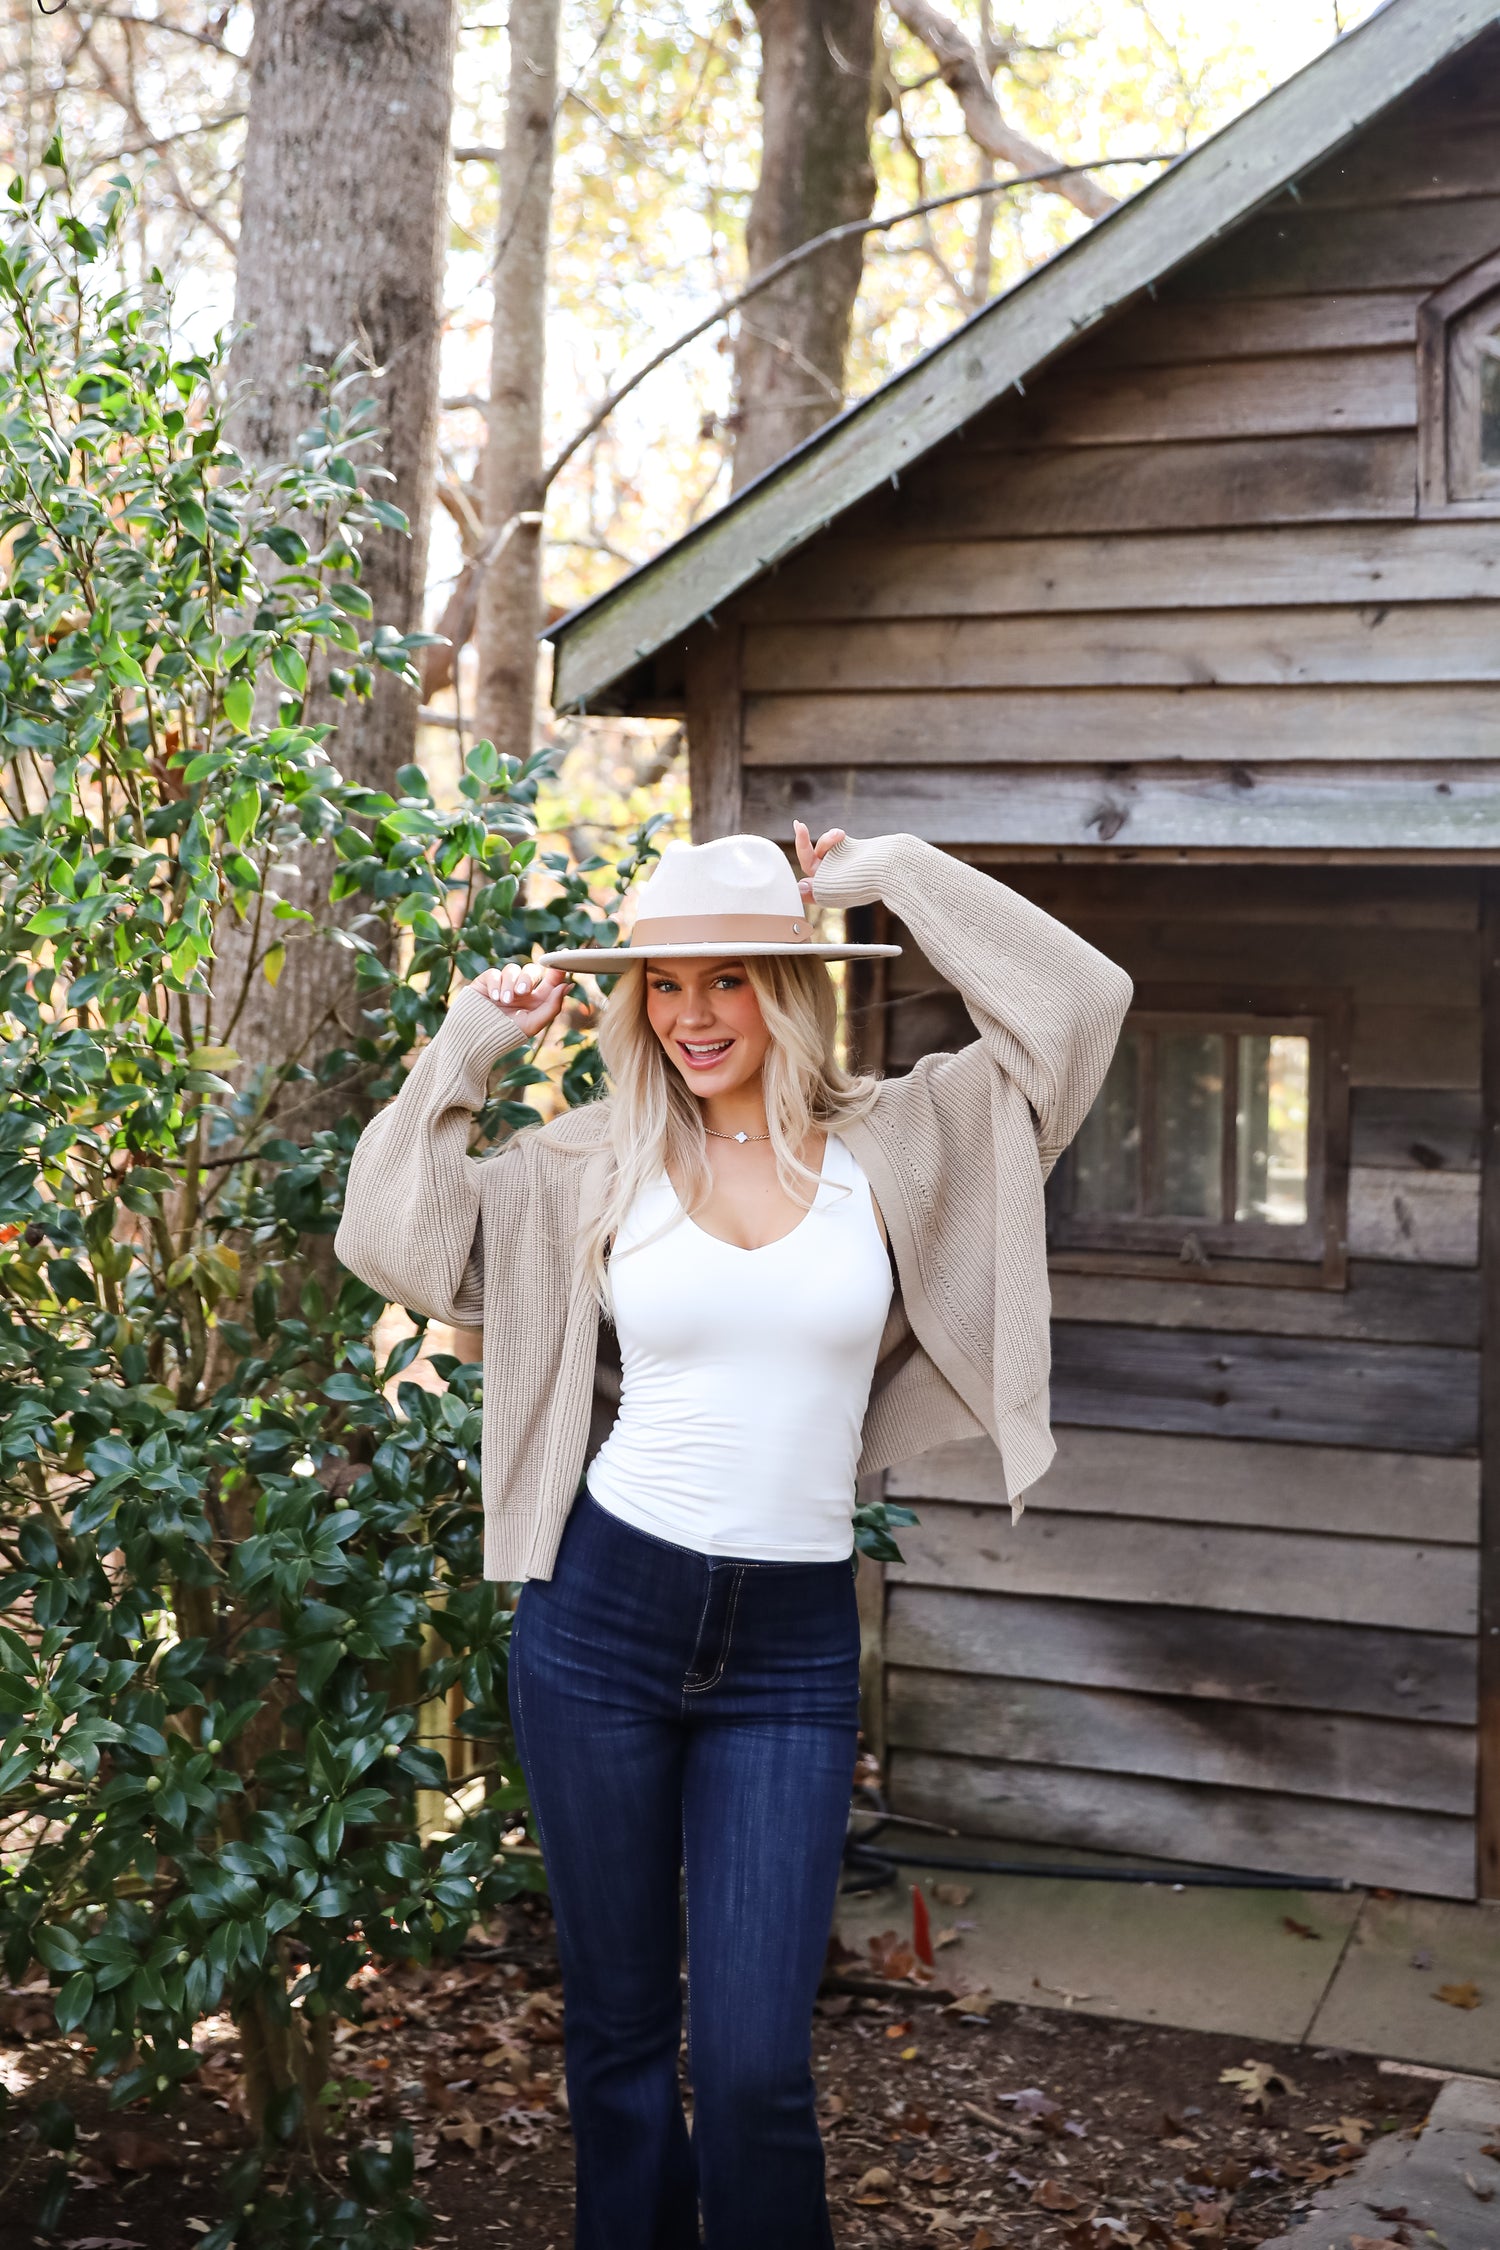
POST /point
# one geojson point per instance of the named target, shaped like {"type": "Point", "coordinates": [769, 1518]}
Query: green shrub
{"type": "Point", "coordinates": [226, 1558]}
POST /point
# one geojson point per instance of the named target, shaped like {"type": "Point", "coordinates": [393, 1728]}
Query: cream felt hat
{"type": "Point", "coordinates": [733, 897]}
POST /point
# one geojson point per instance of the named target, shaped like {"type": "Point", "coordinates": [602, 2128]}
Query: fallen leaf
{"type": "Point", "coordinates": [465, 2128]}
{"type": "Point", "coordinates": [946, 1936]}
{"type": "Point", "coordinates": [1484, 2194]}
{"type": "Point", "coordinates": [1349, 2129]}
{"type": "Point", "coordinates": [1299, 1929]}
{"type": "Point", "coordinates": [1051, 2195]}
{"type": "Point", "coordinates": [976, 2003]}
{"type": "Point", "coordinates": [1374, 2242]}
{"type": "Point", "coordinates": [953, 1894]}
{"type": "Point", "coordinates": [1465, 1995]}
{"type": "Point", "coordinates": [873, 2186]}
{"type": "Point", "coordinates": [129, 2151]}
{"type": "Point", "coordinates": [1257, 2082]}
{"type": "Point", "coordinates": [1037, 2107]}
{"type": "Point", "coordinates": [1061, 1992]}
{"type": "Point", "coordinates": [890, 1958]}
{"type": "Point", "coordinates": [984, 2240]}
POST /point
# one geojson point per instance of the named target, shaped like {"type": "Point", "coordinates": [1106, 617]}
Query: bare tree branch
{"type": "Point", "coordinates": [760, 281]}
{"type": "Point", "coordinates": [165, 23]}
{"type": "Point", "coordinates": [143, 146]}
{"type": "Point", "coordinates": [965, 74]}
{"type": "Point", "coordinates": [124, 97]}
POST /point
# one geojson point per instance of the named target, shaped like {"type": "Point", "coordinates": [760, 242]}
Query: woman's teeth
{"type": "Point", "coordinates": [703, 1056]}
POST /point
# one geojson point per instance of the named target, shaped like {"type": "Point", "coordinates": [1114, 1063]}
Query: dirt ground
{"type": "Point", "coordinates": [947, 2119]}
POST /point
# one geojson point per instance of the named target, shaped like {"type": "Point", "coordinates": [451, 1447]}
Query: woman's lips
{"type": "Point", "coordinates": [718, 1049]}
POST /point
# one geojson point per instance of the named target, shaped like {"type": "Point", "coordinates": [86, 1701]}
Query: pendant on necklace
{"type": "Point", "coordinates": [742, 1136]}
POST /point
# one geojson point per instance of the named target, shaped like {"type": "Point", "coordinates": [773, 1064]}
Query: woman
{"type": "Point", "coordinates": [810, 1275]}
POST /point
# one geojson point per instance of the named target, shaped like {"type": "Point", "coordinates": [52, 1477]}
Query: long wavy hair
{"type": "Point", "coordinates": [656, 1120]}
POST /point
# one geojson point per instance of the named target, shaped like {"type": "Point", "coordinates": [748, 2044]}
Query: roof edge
{"type": "Point", "coordinates": [1201, 197]}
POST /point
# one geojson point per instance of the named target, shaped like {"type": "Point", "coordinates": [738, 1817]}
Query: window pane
{"type": "Point", "coordinates": [1106, 1155]}
{"type": "Point", "coordinates": [1489, 402]}
{"type": "Point", "coordinates": [1189, 1123]}
{"type": "Point", "coordinates": [1271, 1129]}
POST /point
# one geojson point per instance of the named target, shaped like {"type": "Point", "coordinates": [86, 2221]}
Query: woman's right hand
{"type": "Point", "coordinates": [530, 996]}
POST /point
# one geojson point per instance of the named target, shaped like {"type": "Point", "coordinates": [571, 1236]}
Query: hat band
{"type": "Point", "coordinates": [712, 929]}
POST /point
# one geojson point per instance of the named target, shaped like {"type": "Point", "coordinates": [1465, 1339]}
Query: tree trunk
{"type": "Point", "coordinates": [341, 240]}
{"type": "Point", "coordinates": [816, 75]}
{"type": "Point", "coordinates": [510, 561]}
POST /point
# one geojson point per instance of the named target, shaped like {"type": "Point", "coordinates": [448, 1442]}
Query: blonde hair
{"type": "Point", "coordinates": [656, 1120]}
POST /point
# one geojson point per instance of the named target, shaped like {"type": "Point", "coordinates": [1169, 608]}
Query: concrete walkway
{"type": "Point", "coordinates": [1413, 1980]}
{"type": "Point", "coordinates": [1440, 2188]}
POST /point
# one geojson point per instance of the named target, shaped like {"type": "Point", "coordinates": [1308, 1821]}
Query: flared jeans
{"type": "Point", "coordinates": [676, 1711]}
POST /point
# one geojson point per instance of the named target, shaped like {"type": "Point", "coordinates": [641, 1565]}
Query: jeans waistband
{"type": "Point", "coordinates": [697, 1554]}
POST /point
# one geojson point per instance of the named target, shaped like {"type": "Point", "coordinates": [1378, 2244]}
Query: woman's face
{"type": "Point", "coordinates": [706, 1015]}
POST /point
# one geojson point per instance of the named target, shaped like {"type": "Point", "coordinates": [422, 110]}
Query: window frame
{"type": "Point", "coordinates": [1452, 478]}
{"type": "Point", "coordinates": [1311, 1255]}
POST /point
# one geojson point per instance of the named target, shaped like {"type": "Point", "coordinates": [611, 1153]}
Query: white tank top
{"type": "Point", "coordinates": [745, 1375]}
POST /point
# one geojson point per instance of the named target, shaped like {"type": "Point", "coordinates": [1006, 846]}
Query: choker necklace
{"type": "Point", "coordinates": [718, 1136]}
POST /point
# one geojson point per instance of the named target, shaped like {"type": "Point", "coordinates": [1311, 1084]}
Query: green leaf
{"type": "Point", "coordinates": [239, 705]}
{"type": "Point", "coordinates": [287, 545]}
{"type": "Point", "coordinates": [290, 669]}
{"type": "Point", "coordinates": [243, 813]}
{"type": "Point", "coordinates": [74, 2001]}
{"type": "Point", "coordinates": [273, 964]}
{"type": "Point", "coordinates": [56, 1948]}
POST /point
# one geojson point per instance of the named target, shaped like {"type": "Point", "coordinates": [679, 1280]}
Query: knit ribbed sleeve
{"type": "Point", "coordinates": [1047, 1005]}
{"type": "Point", "coordinates": [411, 1208]}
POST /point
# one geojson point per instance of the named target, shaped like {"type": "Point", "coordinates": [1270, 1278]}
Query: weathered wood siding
{"type": "Point", "coordinates": [1238, 1619]}
{"type": "Point", "coordinates": [1178, 596]}
{"type": "Point", "coordinates": [1178, 602]}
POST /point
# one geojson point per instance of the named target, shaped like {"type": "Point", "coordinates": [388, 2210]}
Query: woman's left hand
{"type": "Point", "coordinates": [811, 854]}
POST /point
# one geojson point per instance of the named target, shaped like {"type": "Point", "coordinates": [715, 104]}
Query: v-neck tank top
{"type": "Point", "coordinates": [745, 1374]}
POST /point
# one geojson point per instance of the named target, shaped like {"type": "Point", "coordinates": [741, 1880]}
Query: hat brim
{"type": "Point", "coordinates": [612, 958]}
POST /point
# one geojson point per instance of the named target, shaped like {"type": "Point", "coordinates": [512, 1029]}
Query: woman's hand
{"type": "Point", "coordinates": [531, 996]}
{"type": "Point", "coordinates": [811, 854]}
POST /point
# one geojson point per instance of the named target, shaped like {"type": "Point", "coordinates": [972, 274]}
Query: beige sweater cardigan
{"type": "Point", "coordinates": [956, 1152]}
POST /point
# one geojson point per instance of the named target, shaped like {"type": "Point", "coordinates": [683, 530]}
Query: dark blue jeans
{"type": "Point", "coordinates": [673, 1709]}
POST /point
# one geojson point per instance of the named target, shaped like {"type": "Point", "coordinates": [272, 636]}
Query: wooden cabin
{"type": "Point", "coordinates": [1168, 589]}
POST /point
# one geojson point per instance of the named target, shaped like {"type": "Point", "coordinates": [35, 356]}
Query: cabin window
{"type": "Point", "coordinates": [1489, 401]}
{"type": "Point", "coordinates": [1459, 358]}
{"type": "Point", "coordinates": [1208, 1143]}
